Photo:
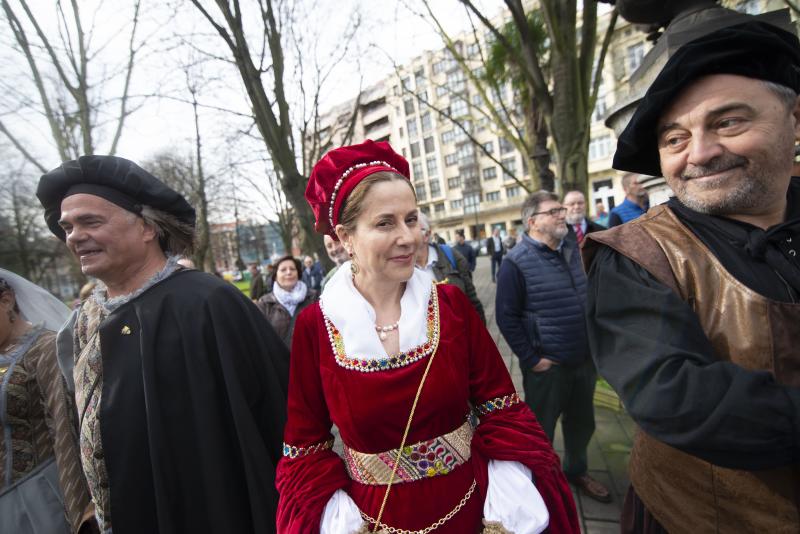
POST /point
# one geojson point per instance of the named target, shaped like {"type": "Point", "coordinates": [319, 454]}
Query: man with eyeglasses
{"type": "Point", "coordinates": [541, 292]}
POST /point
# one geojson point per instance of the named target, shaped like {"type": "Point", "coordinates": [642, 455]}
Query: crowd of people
{"type": "Point", "coordinates": [168, 401]}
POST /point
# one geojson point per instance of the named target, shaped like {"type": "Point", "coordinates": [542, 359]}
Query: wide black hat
{"type": "Point", "coordinates": [115, 179]}
{"type": "Point", "coordinates": [752, 49]}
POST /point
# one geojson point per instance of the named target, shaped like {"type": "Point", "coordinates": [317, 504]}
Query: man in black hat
{"type": "Point", "coordinates": [180, 383]}
{"type": "Point", "coordinates": [693, 308]}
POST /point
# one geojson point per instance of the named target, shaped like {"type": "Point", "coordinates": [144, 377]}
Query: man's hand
{"type": "Point", "coordinates": [543, 365]}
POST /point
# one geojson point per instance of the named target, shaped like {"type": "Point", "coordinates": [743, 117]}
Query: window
{"type": "Point", "coordinates": [401, 132]}
{"type": "Point", "coordinates": [429, 145]}
{"type": "Point", "coordinates": [513, 191]}
{"type": "Point", "coordinates": [432, 166]}
{"type": "Point", "coordinates": [409, 106]}
{"type": "Point", "coordinates": [458, 107]}
{"type": "Point", "coordinates": [505, 145]}
{"type": "Point", "coordinates": [455, 204]}
{"type": "Point", "coordinates": [489, 173]}
{"type": "Point", "coordinates": [416, 170]}
{"type": "Point", "coordinates": [450, 160]}
{"type": "Point", "coordinates": [405, 83]}
{"type": "Point", "coordinates": [454, 182]}
{"type": "Point", "coordinates": [440, 66]}
{"type": "Point", "coordinates": [511, 165]}
{"type": "Point", "coordinates": [427, 122]}
{"type": "Point", "coordinates": [473, 49]}
{"type": "Point", "coordinates": [487, 147]}
{"type": "Point", "coordinates": [438, 209]}
{"type": "Point", "coordinates": [465, 151]}
{"type": "Point", "coordinates": [460, 134]}
{"type": "Point", "coordinates": [411, 125]}
{"type": "Point", "coordinates": [419, 77]}
{"type": "Point", "coordinates": [493, 196]}
{"type": "Point", "coordinates": [436, 188]}
{"type": "Point", "coordinates": [455, 81]}
{"type": "Point", "coordinates": [471, 202]}
{"type": "Point", "coordinates": [396, 90]}
{"type": "Point", "coordinates": [441, 90]}
{"type": "Point", "coordinates": [477, 100]}
{"type": "Point", "coordinates": [600, 147]}
{"type": "Point", "coordinates": [448, 136]}
{"type": "Point", "coordinates": [425, 209]}
{"type": "Point", "coordinates": [420, 189]}
{"type": "Point", "coordinates": [600, 108]}
{"type": "Point", "coordinates": [481, 124]}
{"type": "Point", "coordinates": [633, 56]}
{"type": "Point", "coordinates": [414, 150]}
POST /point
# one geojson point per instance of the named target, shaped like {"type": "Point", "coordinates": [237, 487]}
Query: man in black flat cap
{"type": "Point", "coordinates": [180, 383]}
{"type": "Point", "coordinates": [703, 347]}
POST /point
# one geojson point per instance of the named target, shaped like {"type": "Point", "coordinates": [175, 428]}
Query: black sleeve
{"type": "Point", "coordinates": [649, 345]}
{"type": "Point", "coordinates": [614, 220]}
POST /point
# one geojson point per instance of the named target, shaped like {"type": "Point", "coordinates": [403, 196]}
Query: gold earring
{"type": "Point", "coordinates": [353, 265]}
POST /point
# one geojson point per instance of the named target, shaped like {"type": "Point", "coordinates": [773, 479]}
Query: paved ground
{"type": "Point", "coordinates": [610, 447]}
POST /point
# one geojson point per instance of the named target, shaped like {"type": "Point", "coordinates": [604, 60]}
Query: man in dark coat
{"type": "Point", "coordinates": [180, 383]}
{"type": "Point", "coordinates": [466, 250]}
{"type": "Point", "coordinates": [577, 223]}
{"type": "Point", "coordinates": [257, 286]}
{"type": "Point", "coordinates": [693, 308]}
{"type": "Point", "coordinates": [495, 249]}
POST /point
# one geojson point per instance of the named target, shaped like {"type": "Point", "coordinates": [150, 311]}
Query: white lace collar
{"type": "Point", "coordinates": [354, 318]}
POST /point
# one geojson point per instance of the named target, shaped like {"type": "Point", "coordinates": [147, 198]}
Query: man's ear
{"type": "Point", "coordinates": [149, 231]}
{"type": "Point", "coordinates": [796, 115]}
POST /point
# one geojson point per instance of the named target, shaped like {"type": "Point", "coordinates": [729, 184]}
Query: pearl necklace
{"type": "Point", "coordinates": [388, 328]}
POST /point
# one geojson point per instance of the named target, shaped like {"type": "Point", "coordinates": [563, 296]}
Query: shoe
{"type": "Point", "coordinates": [592, 488]}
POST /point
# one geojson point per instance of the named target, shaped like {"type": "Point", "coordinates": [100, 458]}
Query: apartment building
{"type": "Point", "coordinates": [457, 184]}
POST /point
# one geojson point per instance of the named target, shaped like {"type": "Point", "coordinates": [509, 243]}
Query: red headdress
{"type": "Point", "coordinates": [339, 171]}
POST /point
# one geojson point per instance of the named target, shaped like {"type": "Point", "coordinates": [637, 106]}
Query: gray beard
{"type": "Point", "coordinates": [575, 219]}
{"type": "Point", "coordinates": [745, 197]}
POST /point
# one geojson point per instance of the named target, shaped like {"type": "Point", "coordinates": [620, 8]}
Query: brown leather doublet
{"type": "Point", "coordinates": [685, 493]}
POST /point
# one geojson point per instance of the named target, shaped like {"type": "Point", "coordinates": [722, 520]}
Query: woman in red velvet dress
{"type": "Point", "coordinates": [398, 363]}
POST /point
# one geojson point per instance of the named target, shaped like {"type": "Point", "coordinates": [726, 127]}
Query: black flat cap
{"type": "Point", "coordinates": [115, 179]}
{"type": "Point", "coordinates": [752, 49]}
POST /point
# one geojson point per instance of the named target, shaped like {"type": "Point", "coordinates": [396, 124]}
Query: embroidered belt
{"type": "Point", "coordinates": [429, 458]}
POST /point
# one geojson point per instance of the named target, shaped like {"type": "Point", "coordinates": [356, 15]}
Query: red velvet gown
{"type": "Point", "coordinates": [371, 406]}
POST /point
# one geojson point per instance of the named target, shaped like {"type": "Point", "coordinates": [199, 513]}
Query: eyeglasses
{"type": "Point", "coordinates": [553, 212]}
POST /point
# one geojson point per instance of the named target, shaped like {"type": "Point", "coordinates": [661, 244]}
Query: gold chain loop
{"type": "Point", "coordinates": [439, 523]}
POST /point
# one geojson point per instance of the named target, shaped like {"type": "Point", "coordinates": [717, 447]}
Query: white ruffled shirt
{"type": "Point", "coordinates": [511, 498]}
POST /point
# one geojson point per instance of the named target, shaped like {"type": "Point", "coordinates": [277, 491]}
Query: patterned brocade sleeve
{"type": "Point", "coordinates": [309, 472]}
{"type": "Point", "coordinates": [508, 430]}
{"type": "Point", "coordinates": [61, 418]}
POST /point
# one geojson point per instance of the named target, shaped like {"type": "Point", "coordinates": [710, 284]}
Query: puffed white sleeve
{"type": "Point", "coordinates": [513, 500]}
{"type": "Point", "coordinates": [341, 515]}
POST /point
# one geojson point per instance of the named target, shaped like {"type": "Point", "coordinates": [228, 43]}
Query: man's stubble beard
{"type": "Point", "coordinates": [748, 193]}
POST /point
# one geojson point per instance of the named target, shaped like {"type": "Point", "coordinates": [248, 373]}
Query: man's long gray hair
{"type": "Point", "coordinates": [175, 236]}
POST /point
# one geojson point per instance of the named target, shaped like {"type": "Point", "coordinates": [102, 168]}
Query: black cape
{"type": "Point", "coordinates": [193, 409]}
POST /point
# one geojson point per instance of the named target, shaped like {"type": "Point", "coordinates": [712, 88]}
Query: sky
{"type": "Point", "coordinates": [173, 35]}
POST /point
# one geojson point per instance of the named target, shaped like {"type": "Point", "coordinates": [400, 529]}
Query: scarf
{"type": "Point", "coordinates": [290, 299]}
{"type": "Point", "coordinates": [100, 296]}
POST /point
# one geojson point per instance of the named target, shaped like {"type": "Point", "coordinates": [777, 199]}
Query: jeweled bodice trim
{"type": "Point", "coordinates": [393, 362]}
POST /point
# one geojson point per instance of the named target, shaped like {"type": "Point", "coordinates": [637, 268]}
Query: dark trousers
{"type": "Point", "coordinates": [496, 260]}
{"type": "Point", "coordinates": [567, 392]}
